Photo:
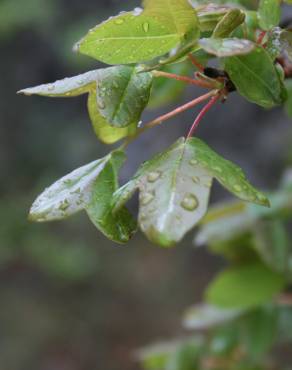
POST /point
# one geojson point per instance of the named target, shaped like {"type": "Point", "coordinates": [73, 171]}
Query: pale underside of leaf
{"type": "Point", "coordinates": [128, 38]}
{"type": "Point", "coordinates": [88, 188]}
{"type": "Point", "coordinates": [226, 47]}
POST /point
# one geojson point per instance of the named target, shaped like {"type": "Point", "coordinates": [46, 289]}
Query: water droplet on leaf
{"type": "Point", "coordinates": [147, 198]}
{"type": "Point", "coordinates": [146, 26]}
{"type": "Point", "coordinates": [190, 202]}
{"type": "Point", "coordinates": [153, 176]}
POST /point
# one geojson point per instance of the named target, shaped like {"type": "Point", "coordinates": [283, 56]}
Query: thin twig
{"type": "Point", "coordinates": [196, 63]}
{"type": "Point", "coordinates": [207, 107]}
{"type": "Point", "coordinates": [185, 79]}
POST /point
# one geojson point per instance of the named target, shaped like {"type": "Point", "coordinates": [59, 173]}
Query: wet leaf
{"type": "Point", "coordinates": [88, 188]}
{"type": "Point", "coordinates": [204, 316]}
{"type": "Point", "coordinates": [210, 15]}
{"type": "Point", "coordinates": [122, 94]}
{"type": "Point", "coordinates": [106, 133]}
{"type": "Point", "coordinates": [269, 14]}
{"type": "Point", "coordinates": [178, 15]}
{"type": "Point", "coordinates": [175, 188]}
{"type": "Point", "coordinates": [244, 287]}
{"type": "Point", "coordinates": [226, 47]}
{"type": "Point", "coordinates": [128, 38]}
{"type": "Point", "coordinates": [231, 20]}
{"type": "Point", "coordinates": [117, 97]}
{"type": "Point", "coordinates": [255, 77]}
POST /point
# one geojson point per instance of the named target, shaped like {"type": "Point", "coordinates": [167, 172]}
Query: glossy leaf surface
{"type": "Point", "coordinates": [231, 20]}
{"type": "Point", "coordinates": [128, 38]}
{"type": "Point", "coordinates": [269, 14]}
{"type": "Point", "coordinates": [178, 15]}
{"type": "Point", "coordinates": [175, 188]}
{"type": "Point", "coordinates": [88, 188]}
{"type": "Point", "coordinates": [256, 77]}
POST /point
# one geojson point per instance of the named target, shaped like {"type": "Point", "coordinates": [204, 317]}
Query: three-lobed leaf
{"type": "Point", "coordinates": [175, 188]}
{"type": "Point", "coordinates": [88, 188]}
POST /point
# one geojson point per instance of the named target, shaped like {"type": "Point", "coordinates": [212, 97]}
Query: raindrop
{"type": "Point", "coordinates": [193, 162]}
{"type": "Point", "coordinates": [119, 21]}
{"type": "Point", "coordinates": [147, 198]}
{"type": "Point", "coordinates": [190, 202]}
{"type": "Point", "coordinates": [196, 179]}
{"type": "Point", "coordinates": [237, 188]}
{"type": "Point", "coordinates": [153, 176]}
{"type": "Point", "coordinates": [146, 26]}
{"type": "Point", "coordinates": [101, 104]}
{"type": "Point", "coordinates": [51, 87]}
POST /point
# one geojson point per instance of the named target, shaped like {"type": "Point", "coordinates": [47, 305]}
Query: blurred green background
{"type": "Point", "coordinates": [70, 299]}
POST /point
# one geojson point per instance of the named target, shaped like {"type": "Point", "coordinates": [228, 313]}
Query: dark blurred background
{"type": "Point", "coordinates": [70, 299]}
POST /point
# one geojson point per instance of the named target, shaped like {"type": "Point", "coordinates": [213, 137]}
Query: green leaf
{"type": "Point", "coordinates": [288, 102]}
{"type": "Point", "coordinates": [128, 38]}
{"type": "Point", "coordinates": [244, 287]}
{"type": "Point", "coordinates": [117, 97]}
{"type": "Point", "coordinates": [123, 94]}
{"type": "Point", "coordinates": [204, 316]}
{"type": "Point", "coordinates": [178, 15]}
{"type": "Point", "coordinates": [231, 20]}
{"type": "Point", "coordinates": [255, 77]}
{"type": "Point", "coordinates": [175, 188]}
{"type": "Point", "coordinates": [106, 133]}
{"type": "Point", "coordinates": [269, 14]}
{"type": "Point", "coordinates": [166, 90]}
{"type": "Point", "coordinates": [259, 331]}
{"type": "Point", "coordinates": [226, 47]}
{"type": "Point", "coordinates": [273, 245]}
{"type": "Point", "coordinates": [210, 15]}
{"type": "Point", "coordinates": [88, 188]}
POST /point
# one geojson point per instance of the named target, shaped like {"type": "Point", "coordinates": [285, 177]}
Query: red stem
{"type": "Point", "coordinates": [184, 79]}
{"type": "Point", "coordinates": [205, 110]}
{"type": "Point", "coordinates": [261, 37]}
{"type": "Point", "coordinates": [180, 109]}
{"type": "Point", "coordinates": [196, 63]}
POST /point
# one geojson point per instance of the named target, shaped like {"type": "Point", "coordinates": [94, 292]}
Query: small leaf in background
{"type": "Point", "coordinates": [204, 316]}
{"type": "Point", "coordinates": [88, 188]}
{"type": "Point", "coordinates": [273, 245]}
{"type": "Point", "coordinates": [122, 94]}
{"type": "Point", "coordinates": [166, 90]}
{"type": "Point", "coordinates": [128, 38]}
{"type": "Point", "coordinates": [210, 15]}
{"type": "Point", "coordinates": [177, 15]}
{"type": "Point", "coordinates": [255, 77]}
{"type": "Point", "coordinates": [230, 21]}
{"type": "Point", "coordinates": [269, 14]}
{"type": "Point", "coordinates": [259, 331]}
{"type": "Point", "coordinates": [175, 189]}
{"type": "Point", "coordinates": [280, 43]}
{"type": "Point", "coordinates": [244, 287]}
{"type": "Point", "coordinates": [226, 47]}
